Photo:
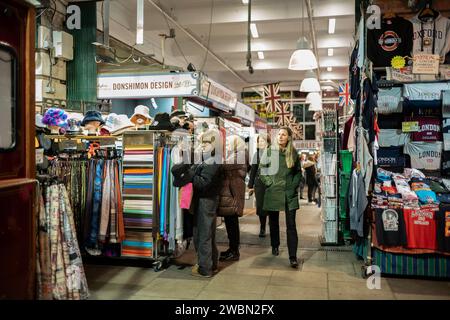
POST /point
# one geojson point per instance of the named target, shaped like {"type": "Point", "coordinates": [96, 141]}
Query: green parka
{"type": "Point", "coordinates": [282, 184]}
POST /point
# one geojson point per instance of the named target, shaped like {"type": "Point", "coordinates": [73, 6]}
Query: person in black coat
{"type": "Point", "coordinates": [311, 179]}
{"type": "Point", "coordinates": [255, 184]}
{"type": "Point", "coordinates": [206, 183]}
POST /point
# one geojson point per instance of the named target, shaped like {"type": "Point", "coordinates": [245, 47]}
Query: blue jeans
{"type": "Point", "coordinates": [96, 205]}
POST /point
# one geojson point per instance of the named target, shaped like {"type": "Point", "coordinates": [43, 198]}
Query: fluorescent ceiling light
{"type": "Point", "coordinates": [254, 30]}
{"type": "Point", "coordinates": [331, 25]}
{"type": "Point", "coordinates": [245, 1]}
{"type": "Point", "coordinates": [310, 83]}
{"type": "Point", "coordinates": [260, 55]}
{"type": "Point", "coordinates": [329, 69]}
{"type": "Point", "coordinates": [302, 58]}
{"type": "Point", "coordinates": [330, 52]}
{"type": "Point", "coordinates": [140, 22]}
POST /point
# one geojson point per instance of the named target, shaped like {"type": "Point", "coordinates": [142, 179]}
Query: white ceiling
{"type": "Point", "coordinates": [279, 27]}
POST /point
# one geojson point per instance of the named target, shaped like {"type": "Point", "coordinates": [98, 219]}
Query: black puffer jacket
{"type": "Point", "coordinates": [206, 182]}
{"type": "Point", "coordinates": [232, 193]}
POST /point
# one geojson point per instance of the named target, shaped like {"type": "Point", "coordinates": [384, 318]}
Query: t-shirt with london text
{"type": "Point", "coordinates": [429, 129]}
{"type": "Point", "coordinates": [420, 228]}
{"type": "Point", "coordinates": [424, 155]}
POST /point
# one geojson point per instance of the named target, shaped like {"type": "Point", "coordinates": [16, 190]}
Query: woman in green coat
{"type": "Point", "coordinates": [280, 171]}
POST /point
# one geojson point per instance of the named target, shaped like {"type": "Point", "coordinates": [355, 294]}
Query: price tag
{"type": "Point", "coordinates": [426, 63]}
{"type": "Point", "coordinates": [40, 156]}
{"type": "Point", "coordinates": [411, 126]}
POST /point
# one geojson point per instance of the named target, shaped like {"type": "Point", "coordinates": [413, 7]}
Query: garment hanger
{"type": "Point", "coordinates": [428, 11]}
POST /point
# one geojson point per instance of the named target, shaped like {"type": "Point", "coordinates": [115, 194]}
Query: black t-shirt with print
{"type": "Point", "coordinates": [395, 38]}
{"type": "Point", "coordinates": [390, 227]}
{"type": "Point", "coordinates": [443, 227]}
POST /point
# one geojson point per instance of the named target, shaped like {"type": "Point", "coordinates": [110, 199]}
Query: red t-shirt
{"type": "Point", "coordinates": [429, 129]}
{"type": "Point", "coordinates": [420, 228]}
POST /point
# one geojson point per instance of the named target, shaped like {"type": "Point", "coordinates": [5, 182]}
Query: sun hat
{"type": "Point", "coordinates": [142, 111]}
{"type": "Point", "coordinates": [121, 124]}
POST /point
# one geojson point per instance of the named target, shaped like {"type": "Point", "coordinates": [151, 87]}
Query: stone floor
{"type": "Point", "coordinates": [324, 274]}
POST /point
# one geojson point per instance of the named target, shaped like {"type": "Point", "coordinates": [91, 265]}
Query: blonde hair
{"type": "Point", "coordinates": [291, 153]}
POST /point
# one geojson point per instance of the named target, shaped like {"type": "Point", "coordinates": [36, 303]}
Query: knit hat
{"type": "Point", "coordinates": [55, 117]}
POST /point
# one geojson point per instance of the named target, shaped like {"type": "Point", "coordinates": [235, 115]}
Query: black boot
{"type": "Point", "coordinates": [229, 255]}
{"type": "Point", "coordinates": [294, 262]}
{"type": "Point", "coordinates": [262, 232]}
{"type": "Point", "coordinates": [275, 251]}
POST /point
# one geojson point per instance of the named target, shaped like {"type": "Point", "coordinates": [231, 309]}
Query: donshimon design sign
{"type": "Point", "coordinates": [148, 85]}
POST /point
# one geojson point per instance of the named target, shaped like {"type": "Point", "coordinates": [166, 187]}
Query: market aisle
{"type": "Point", "coordinates": [259, 275]}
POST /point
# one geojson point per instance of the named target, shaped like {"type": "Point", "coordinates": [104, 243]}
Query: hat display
{"type": "Point", "coordinates": [182, 115]}
{"type": "Point", "coordinates": [55, 117]}
{"type": "Point", "coordinates": [117, 124]}
{"type": "Point", "coordinates": [38, 122]}
{"type": "Point", "coordinates": [74, 122]}
{"type": "Point", "coordinates": [92, 116]}
{"type": "Point", "coordinates": [109, 122]}
{"type": "Point", "coordinates": [162, 122]}
{"type": "Point", "coordinates": [143, 111]}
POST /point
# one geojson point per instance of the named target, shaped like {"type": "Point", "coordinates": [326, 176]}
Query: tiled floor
{"type": "Point", "coordinates": [259, 275]}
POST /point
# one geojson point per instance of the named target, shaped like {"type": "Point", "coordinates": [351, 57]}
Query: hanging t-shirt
{"type": "Point", "coordinates": [424, 155]}
{"type": "Point", "coordinates": [392, 137]}
{"type": "Point", "coordinates": [391, 157]}
{"type": "Point", "coordinates": [443, 228]}
{"type": "Point", "coordinates": [354, 73]}
{"type": "Point", "coordinates": [420, 228]}
{"type": "Point", "coordinates": [425, 91]}
{"type": "Point", "coordinates": [390, 121]}
{"type": "Point", "coordinates": [446, 133]}
{"type": "Point", "coordinates": [446, 104]}
{"type": "Point", "coordinates": [446, 163]}
{"type": "Point", "coordinates": [431, 36]}
{"type": "Point", "coordinates": [389, 100]}
{"type": "Point", "coordinates": [394, 38]}
{"type": "Point", "coordinates": [390, 227]}
{"type": "Point", "coordinates": [429, 130]}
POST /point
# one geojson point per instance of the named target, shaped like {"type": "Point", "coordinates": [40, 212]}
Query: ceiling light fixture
{"type": "Point", "coordinates": [245, 1]}
{"type": "Point", "coordinates": [329, 69]}
{"type": "Point", "coordinates": [312, 96]}
{"type": "Point", "coordinates": [260, 55]}
{"type": "Point", "coordinates": [331, 25]}
{"type": "Point", "coordinates": [140, 22]}
{"type": "Point", "coordinates": [310, 83]}
{"type": "Point", "coordinates": [303, 58]}
{"type": "Point", "coordinates": [315, 101]}
{"type": "Point", "coordinates": [330, 52]}
{"type": "Point", "coordinates": [254, 30]}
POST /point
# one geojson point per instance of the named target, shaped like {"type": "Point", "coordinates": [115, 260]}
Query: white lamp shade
{"type": "Point", "coordinates": [310, 85]}
{"type": "Point", "coordinates": [315, 106]}
{"type": "Point", "coordinates": [303, 58]}
{"type": "Point", "coordinates": [313, 96]}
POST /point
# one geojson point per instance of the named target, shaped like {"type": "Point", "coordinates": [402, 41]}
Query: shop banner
{"type": "Point", "coordinates": [260, 123]}
{"type": "Point", "coordinates": [304, 144]}
{"type": "Point", "coordinates": [217, 94]}
{"type": "Point", "coordinates": [244, 112]}
{"type": "Point", "coordinates": [148, 85]}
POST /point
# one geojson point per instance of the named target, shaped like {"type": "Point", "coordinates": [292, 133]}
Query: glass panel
{"type": "Point", "coordinates": [285, 95]}
{"type": "Point", "coordinates": [298, 112]}
{"type": "Point", "coordinates": [310, 132]}
{"type": "Point", "coordinates": [7, 98]}
{"type": "Point", "coordinates": [309, 116]}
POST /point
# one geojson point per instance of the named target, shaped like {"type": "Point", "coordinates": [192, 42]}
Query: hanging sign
{"type": "Point", "coordinates": [303, 144]}
{"type": "Point", "coordinates": [148, 85]}
{"type": "Point", "coordinates": [217, 94]}
{"type": "Point", "coordinates": [426, 63]}
{"type": "Point", "coordinates": [244, 112]}
{"type": "Point", "coordinates": [410, 126]}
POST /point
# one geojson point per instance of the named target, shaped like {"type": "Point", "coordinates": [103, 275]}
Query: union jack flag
{"type": "Point", "coordinates": [283, 115]}
{"type": "Point", "coordinates": [344, 95]}
{"type": "Point", "coordinates": [297, 130]}
{"type": "Point", "coordinates": [272, 97]}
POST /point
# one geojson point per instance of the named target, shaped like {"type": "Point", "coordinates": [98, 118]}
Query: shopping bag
{"type": "Point", "coordinates": [186, 193]}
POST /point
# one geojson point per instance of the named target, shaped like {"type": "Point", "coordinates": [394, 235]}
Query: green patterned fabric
{"type": "Point", "coordinates": [427, 265]}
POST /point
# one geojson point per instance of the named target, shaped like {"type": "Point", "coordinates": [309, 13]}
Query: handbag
{"type": "Point", "coordinates": [186, 193]}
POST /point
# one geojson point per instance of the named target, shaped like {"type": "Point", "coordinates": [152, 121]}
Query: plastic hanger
{"type": "Point", "coordinates": [428, 12]}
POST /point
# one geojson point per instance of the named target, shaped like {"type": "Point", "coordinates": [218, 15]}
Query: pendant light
{"type": "Point", "coordinates": [315, 101]}
{"type": "Point", "coordinates": [303, 58]}
{"type": "Point", "coordinates": [310, 83]}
